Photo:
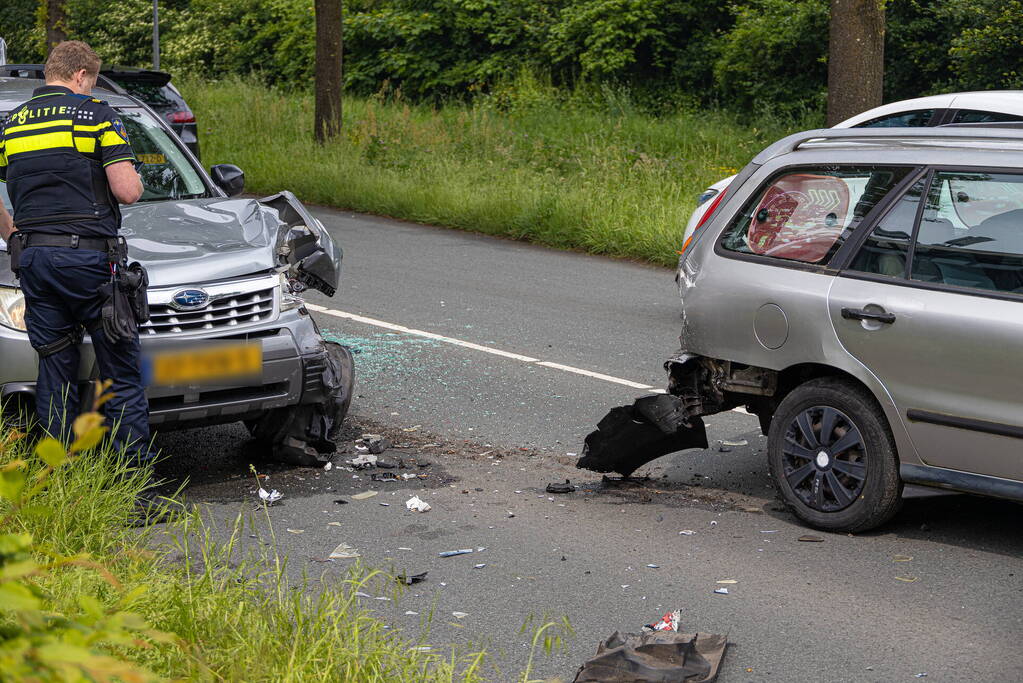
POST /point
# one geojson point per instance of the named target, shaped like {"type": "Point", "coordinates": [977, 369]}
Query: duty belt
{"type": "Point", "coordinates": [115, 247]}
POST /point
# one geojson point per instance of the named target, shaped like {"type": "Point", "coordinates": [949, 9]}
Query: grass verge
{"type": "Point", "coordinates": [591, 173]}
{"type": "Point", "coordinates": [225, 598]}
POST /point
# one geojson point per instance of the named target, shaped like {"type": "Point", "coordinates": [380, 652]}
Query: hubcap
{"type": "Point", "coordinates": [824, 459]}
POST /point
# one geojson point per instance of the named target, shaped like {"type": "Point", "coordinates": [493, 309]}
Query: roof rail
{"type": "Point", "coordinates": [968, 132]}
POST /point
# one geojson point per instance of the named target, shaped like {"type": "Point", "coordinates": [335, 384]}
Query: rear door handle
{"type": "Point", "coordinates": [861, 314]}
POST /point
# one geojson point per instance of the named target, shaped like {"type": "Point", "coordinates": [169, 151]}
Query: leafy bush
{"type": "Point", "coordinates": [990, 55]}
{"type": "Point", "coordinates": [775, 56]}
{"type": "Point", "coordinates": [38, 640]}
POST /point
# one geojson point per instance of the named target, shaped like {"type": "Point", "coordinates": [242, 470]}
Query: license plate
{"type": "Point", "coordinates": [210, 363]}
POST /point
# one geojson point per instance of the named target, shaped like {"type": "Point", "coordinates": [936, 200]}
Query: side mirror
{"type": "Point", "coordinates": [228, 178]}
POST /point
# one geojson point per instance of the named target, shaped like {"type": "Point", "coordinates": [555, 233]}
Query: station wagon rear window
{"type": "Point", "coordinates": [805, 215]}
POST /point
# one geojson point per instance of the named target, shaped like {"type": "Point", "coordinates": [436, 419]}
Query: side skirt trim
{"type": "Point", "coordinates": [961, 481]}
{"type": "Point", "coordinates": [996, 428]}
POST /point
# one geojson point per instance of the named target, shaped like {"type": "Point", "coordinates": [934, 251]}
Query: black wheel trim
{"type": "Point", "coordinates": [824, 459]}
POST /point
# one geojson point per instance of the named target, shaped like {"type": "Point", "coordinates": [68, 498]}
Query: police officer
{"type": "Point", "coordinates": [67, 163]}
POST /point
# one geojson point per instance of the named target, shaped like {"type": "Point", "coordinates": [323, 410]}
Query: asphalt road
{"type": "Point", "coordinates": [497, 428]}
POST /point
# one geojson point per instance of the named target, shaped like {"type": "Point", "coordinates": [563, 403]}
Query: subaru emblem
{"type": "Point", "coordinates": [189, 299]}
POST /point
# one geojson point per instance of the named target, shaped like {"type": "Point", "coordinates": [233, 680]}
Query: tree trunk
{"type": "Point", "coordinates": [56, 23]}
{"type": "Point", "coordinates": [328, 69]}
{"type": "Point", "coordinates": [855, 58]}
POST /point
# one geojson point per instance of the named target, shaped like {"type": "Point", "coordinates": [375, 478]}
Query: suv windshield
{"type": "Point", "coordinates": [167, 173]}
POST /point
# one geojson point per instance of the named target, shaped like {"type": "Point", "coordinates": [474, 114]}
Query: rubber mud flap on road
{"type": "Point", "coordinates": [306, 434]}
{"type": "Point", "coordinates": [630, 436]}
{"type": "Point", "coordinates": [658, 657]}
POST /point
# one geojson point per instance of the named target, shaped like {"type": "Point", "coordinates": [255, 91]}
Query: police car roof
{"type": "Point", "coordinates": [14, 91]}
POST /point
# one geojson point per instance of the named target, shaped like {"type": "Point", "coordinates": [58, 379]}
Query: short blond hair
{"type": "Point", "coordinates": [70, 57]}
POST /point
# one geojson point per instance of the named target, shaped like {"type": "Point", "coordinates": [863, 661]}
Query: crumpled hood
{"type": "Point", "coordinates": [190, 242]}
{"type": "Point", "coordinates": [198, 240]}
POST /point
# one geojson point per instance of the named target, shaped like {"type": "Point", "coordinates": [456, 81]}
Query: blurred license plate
{"type": "Point", "coordinates": [236, 363]}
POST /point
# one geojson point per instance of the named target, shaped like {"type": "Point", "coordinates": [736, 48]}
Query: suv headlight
{"type": "Point", "coordinates": [12, 308]}
{"type": "Point", "coordinates": [288, 299]}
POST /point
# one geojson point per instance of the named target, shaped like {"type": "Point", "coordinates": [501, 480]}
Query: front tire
{"type": "Point", "coordinates": [833, 457]}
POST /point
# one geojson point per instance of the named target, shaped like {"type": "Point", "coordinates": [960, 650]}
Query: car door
{"type": "Point", "coordinates": [932, 304]}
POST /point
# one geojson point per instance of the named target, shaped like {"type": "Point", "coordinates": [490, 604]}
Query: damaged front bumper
{"type": "Point", "coordinates": [628, 437]}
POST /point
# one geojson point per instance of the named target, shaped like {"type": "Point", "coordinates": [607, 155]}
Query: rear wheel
{"type": "Point", "coordinates": [833, 457]}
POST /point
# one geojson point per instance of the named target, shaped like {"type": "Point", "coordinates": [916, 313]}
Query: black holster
{"type": "Point", "coordinates": [126, 305]}
{"type": "Point", "coordinates": [15, 245]}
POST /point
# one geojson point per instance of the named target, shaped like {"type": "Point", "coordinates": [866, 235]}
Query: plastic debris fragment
{"type": "Point", "coordinates": [364, 495]}
{"type": "Point", "coordinates": [270, 497]}
{"type": "Point", "coordinates": [721, 591]}
{"type": "Point", "coordinates": [418, 504]}
{"type": "Point", "coordinates": [459, 615]}
{"type": "Point", "coordinates": [479, 566]}
{"type": "Point", "coordinates": [669, 622]}
{"type": "Point", "coordinates": [567, 487]}
{"type": "Point", "coordinates": [728, 581]}
{"type": "Point", "coordinates": [344, 552]}
{"type": "Point", "coordinates": [364, 461]}
{"type": "Point", "coordinates": [687, 532]}
{"type": "Point", "coordinates": [452, 553]}
{"type": "Point", "coordinates": [906, 579]}
{"type": "Point", "coordinates": [410, 579]}
{"type": "Point", "coordinates": [809, 538]}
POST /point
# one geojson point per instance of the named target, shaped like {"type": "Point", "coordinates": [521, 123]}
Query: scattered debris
{"type": "Point", "coordinates": [452, 553]}
{"type": "Point", "coordinates": [479, 566]}
{"type": "Point", "coordinates": [510, 514]}
{"type": "Point", "coordinates": [334, 524]}
{"type": "Point", "coordinates": [412, 429]}
{"type": "Point", "coordinates": [411, 578]}
{"type": "Point", "coordinates": [296, 531]}
{"type": "Point", "coordinates": [655, 656]}
{"type": "Point", "coordinates": [728, 581]}
{"type": "Point", "coordinates": [383, 476]}
{"type": "Point", "coordinates": [902, 558]}
{"type": "Point", "coordinates": [328, 467]}
{"type": "Point", "coordinates": [410, 613]}
{"type": "Point", "coordinates": [906, 579]}
{"type": "Point", "coordinates": [687, 532]}
{"type": "Point", "coordinates": [270, 497]}
{"type": "Point", "coordinates": [410, 475]}
{"type": "Point", "coordinates": [344, 552]}
{"type": "Point", "coordinates": [382, 597]}
{"type": "Point", "coordinates": [721, 591]}
{"type": "Point", "coordinates": [389, 463]}
{"type": "Point", "coordinates": [360, 594]}
{"type": "Point", "coordinates": [373, 443]}
{"type": "Point", "coordinates": [653, 566]}
{"type": "Point", "coordinates": [459, 615]}
{"type": "Point", "coordinates": [567, 487]}
{"type": "Point", "coordinates": [810, 538]}
{"type": "Point", "coordinates": [922, 674]}
{"type": "Point", "coordinates": [341, 501]}
{"type": "Point", "coordinates": [768, 531]}
{"type": "Point", "coordinates": [669, 622]}
{"type": "Point", "coordinates": [418, 504]}
{"type": "Point", "coordinates": [364, 495]}
{"type": "Point", "coordinates": [364, 461]}
{"type": "Point", "coordinates": [386, 505]}
{"type": "Point", "coordinates": [725, 446]}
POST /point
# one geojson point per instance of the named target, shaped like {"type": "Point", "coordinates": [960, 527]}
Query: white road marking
{"type": "Point", "coordinates": [479, 347]}
{"type": "Point", "coordinates": [594, 375]}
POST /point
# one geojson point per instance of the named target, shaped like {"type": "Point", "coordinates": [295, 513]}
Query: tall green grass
{"type": "Point", "coordinates": [586, 172]}
{"type": "Point", "coordinates": [226, 597]}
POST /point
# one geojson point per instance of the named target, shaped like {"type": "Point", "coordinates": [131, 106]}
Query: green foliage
{"type": "Point", "coordinates": [19, 28]}
{"type": "Point", "coordinates": [774, 57]}
{"type": "Point", "coordinates": [39, 640]}
{"type": "Point", "coordinates": [990, 55]}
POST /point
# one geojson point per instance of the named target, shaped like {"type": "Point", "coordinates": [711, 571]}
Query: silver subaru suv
{"type": "Point", "coordinates": [861, 292]}
{"type": "Point", "coordinates": [229, 338]}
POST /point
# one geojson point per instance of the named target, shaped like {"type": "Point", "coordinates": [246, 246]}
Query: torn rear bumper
{"type": "Point", "coordinates": [630, 436]}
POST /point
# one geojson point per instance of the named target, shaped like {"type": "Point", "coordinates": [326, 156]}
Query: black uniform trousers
{"type": "Point", "coordinates": [61, 287]}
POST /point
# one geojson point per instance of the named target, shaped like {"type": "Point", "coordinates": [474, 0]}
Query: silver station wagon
{"type": "Point", "coordinates": [861, 292]}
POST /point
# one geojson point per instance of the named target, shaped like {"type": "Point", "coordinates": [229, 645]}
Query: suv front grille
{"type": "Point", "coordinates": [220, 314]}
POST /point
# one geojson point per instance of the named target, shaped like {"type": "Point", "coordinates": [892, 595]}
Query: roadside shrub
{"type": "Point", "coordinates": [990, 55]}
{"type": "Point", "coordinates": [774, 59]}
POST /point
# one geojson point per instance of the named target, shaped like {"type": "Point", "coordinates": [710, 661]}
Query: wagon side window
{"type": "Point", "coordinates": [806, 215]}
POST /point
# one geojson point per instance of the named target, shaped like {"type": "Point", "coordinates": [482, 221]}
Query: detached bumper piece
{"type": "Point", "coordinates": [306, 434]}
{"type": "Point", "coordinates": [662, 656]}
{"type": "Point", "coordinates": [630, 436]}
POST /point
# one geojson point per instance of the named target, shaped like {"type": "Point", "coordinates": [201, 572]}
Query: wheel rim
{"type": "Point", "coordinates": [824, 459]}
